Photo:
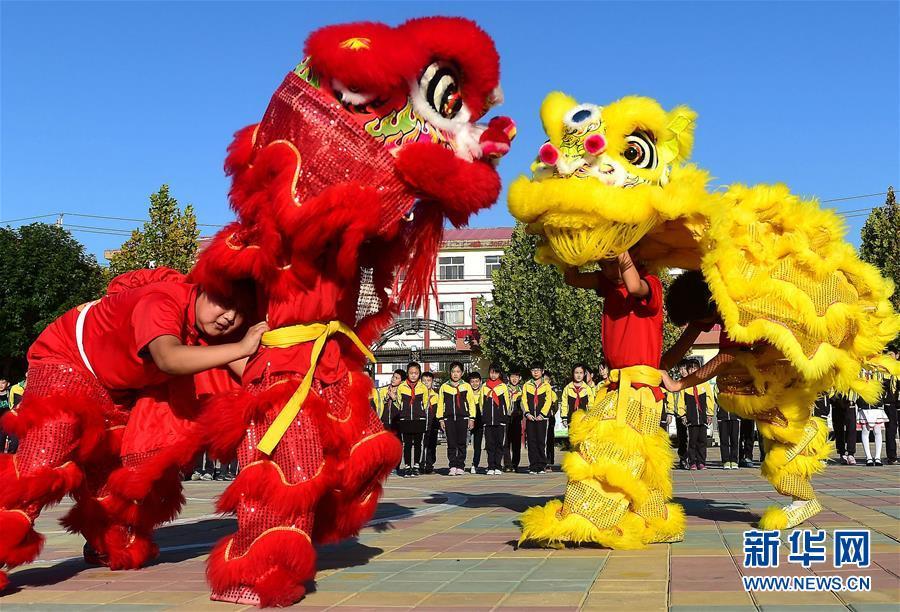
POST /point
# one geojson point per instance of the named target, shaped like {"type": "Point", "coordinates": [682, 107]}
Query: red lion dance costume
{"type": "Point", "coordinates": [365, 150]}
{"type": "Point", "coordinates": [114, 436]}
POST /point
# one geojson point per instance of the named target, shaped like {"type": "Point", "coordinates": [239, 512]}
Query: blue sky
{"type": "Point", "coordinates": [102, 102]}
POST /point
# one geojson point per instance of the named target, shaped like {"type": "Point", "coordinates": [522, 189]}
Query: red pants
{"type": "Point", "coordinates": [320, 484]}
{"type": "Point", "coordinates": [71, 432]}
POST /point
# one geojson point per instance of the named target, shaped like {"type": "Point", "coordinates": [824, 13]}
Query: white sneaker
{"type": "Point", "coordinates": [473, 470]}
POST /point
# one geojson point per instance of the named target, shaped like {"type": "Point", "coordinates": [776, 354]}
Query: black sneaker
{"type": "Point", "coordinates": [229, 476]}
{"type": "Point", "coordinates": [745, 463]}
{"type": "Point", "coordinates": [891, 462]}
{"type": "Point", "coordinates": [219, 476]}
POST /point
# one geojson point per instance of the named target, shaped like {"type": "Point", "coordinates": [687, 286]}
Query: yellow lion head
{"type": "Point", "coordinates": [607, 176]}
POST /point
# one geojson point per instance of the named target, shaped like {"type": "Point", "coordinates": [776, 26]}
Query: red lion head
{"type": "Point", "coordinates": [366, 148]}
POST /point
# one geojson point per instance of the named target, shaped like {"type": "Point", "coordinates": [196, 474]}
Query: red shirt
{"type": "Point", "coordinates": [117, 330]}
{"type": "Point", "coordinates": [632, 329]}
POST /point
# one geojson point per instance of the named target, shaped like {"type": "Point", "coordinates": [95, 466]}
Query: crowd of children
{"type": "Point", "coordinates": [499, 415]}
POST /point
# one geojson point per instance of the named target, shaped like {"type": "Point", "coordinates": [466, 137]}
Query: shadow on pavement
{"type": "Point", "coordinates": [724, 512]}
{"type": "Point", "coordinates": [499, 499]}
{"type": "Point", "coordinates": [188, 541]}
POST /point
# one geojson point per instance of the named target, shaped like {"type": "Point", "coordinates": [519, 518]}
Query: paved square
{"type": "Point", "coordinates": [441, 542]}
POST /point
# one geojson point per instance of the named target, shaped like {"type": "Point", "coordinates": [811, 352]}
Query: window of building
{"type": "Point", "coordinates": [406, 313]}
{"type": "Point", "coordinates": [450, 268]}
{"type": "Point", "coordinates": [491, 264]}
{"type": "Point", "coordinates": [453, 313]}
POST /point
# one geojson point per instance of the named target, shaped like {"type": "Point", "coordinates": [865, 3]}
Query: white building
{"type": "Point", "coordinates": [445, 329]}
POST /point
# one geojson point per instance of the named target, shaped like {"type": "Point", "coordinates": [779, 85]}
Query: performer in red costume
{"type": "Point", "coordinates": [365, 150]}
{"type": "Point", "coordinates": [140, 346]}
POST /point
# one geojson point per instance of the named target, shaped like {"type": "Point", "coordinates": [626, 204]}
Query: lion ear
{"type": "Point", "coordinates": [553, 109]}
{"type": "Point", "coordinates": [680, 125]}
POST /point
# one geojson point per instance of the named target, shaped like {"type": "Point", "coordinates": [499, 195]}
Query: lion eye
{"type": "Point", "coordinates": [440, 87]}
{"type": "Point", "coordinates": [640, 151]}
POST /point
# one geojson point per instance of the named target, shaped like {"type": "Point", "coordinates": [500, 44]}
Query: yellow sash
{"type": "Point", "coordinates": [293, 335]}
{"type": "Point", "coordinates": [643, 375]}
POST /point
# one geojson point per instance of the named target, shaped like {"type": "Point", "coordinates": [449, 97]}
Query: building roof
{"type": "Point", "coordinates": [467, 237]}
{"type": "Point", "coordinates": [709, 338]}
{"type": "Point", "coordinates": [479, 233]}
{"type": "Point", "coordinates": [476, 237]}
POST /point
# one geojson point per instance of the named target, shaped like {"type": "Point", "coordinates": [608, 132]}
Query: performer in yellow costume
{"type": "Point", "coordinates": [808, 314]}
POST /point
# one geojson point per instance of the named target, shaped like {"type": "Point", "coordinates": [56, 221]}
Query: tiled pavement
{"type": "Point", "coordinates": [448, 543]}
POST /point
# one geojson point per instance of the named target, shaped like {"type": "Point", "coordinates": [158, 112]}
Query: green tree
{"type": "Point", "coordinates": [880, 245]}
{"type": "Point", "coordinates": [670, 332]}
{"type": "Point", "coordinates": [45, 272]}
{"type": "Point", "coordinates": [534, 315]}
{"type": "Point", "coordinates": [169, 238]}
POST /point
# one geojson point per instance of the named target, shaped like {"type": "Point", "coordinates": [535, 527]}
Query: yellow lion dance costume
{"type": "Point", "coordinates": [786, 284]}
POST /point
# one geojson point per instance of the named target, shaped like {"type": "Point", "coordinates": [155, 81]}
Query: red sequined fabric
{"type": "Point", "coordinates": [333, 148]}
{"type": "Point", "coordinates": [45, 380]}
{"type": "Point", "coordinates": [48, 445]}
{"type": "Point", "coordinates": [298, 455]}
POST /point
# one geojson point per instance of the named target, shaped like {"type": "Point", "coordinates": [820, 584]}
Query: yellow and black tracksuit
{"type": "Point", "coordinates": [551, 428]}
{"type": "Point", "coordinates": [512, 444]}
{"type": "Point", "coordinates": [537, 399]}
{"type": "Point", "coordinates": [698, 407]}
{"type": "Point", "coordinates": [412, 419]}
{"type": "Point", "coordinates": [495, 403]}
{"type": "Point", "coordinates": [429, 447]}
{"type": "Point", "coordinates": [675, 406]}
{"type": "Point", "coordinates": [575, 396]}
{"type": "Point", "coordinates": [729, 434]}
{"type": "Point", "coordinates": [455, 407]}
{"type": "Point", "coordinates": [388, 408]}
{"type": "Point", "coordinates": [477, 429]}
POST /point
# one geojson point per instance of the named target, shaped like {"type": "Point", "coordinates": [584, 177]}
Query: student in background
{"type": "Point", "coordinates": [698, 410]}
{"type": "Point", "coordinates": [675, 407]}
{"type": "Point", "coordinates": [512, 445]}
{"type": "Point", "coordinates": [429, 445]}
{"type": "Point", "coordinates": [373, 396]}
{"type": "Point", "coordinates": [729, 437]}
{"type": "Point", "coordinates": [5, 406]}
{"type": "Point", "coordinates": [843, 422]}
{"type": "Point", "coordinates": [456, 414]}
{"type": "Point", "coordinates": [551, 424]}
{"type": "Point", "coordinates": [872, 420]}
{"type": "Point", "coordinates": [601, 377]}
{"type": "Point", "coordinates": [890, 401]}
{"type": "Point", "coordinates": [474, 379]}
{"type": "Point", "coordinates": [411, 420]}
{"type": "Point", "coordinates": [389, 402]}
{"type": "Point", "coordinates": [577, 394]}
{"type": "Point", "coordinates": [495, 402]}
{"type": "Point", "coordinates": [537, 397]}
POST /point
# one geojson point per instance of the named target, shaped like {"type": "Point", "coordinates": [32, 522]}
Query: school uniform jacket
{"type": "Point", "coordinates": [413, 401]}
{"type": "Point", "coordinates": [431, 401]}
{"type": "Point", "coordinates": [495, 404]}
{"type": "Point", "coordinates": [388, 409]}
{"type": "Point", "coordinates": [573, 398]}
{"type": "Point", "coordinates": [515, 399]}
{"type": "Point", "coordinates": [456, 403]}
{"type": "Point", "coordinates": [698, 403]}
{"type": "Point", "coordinates": [537, 399]}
